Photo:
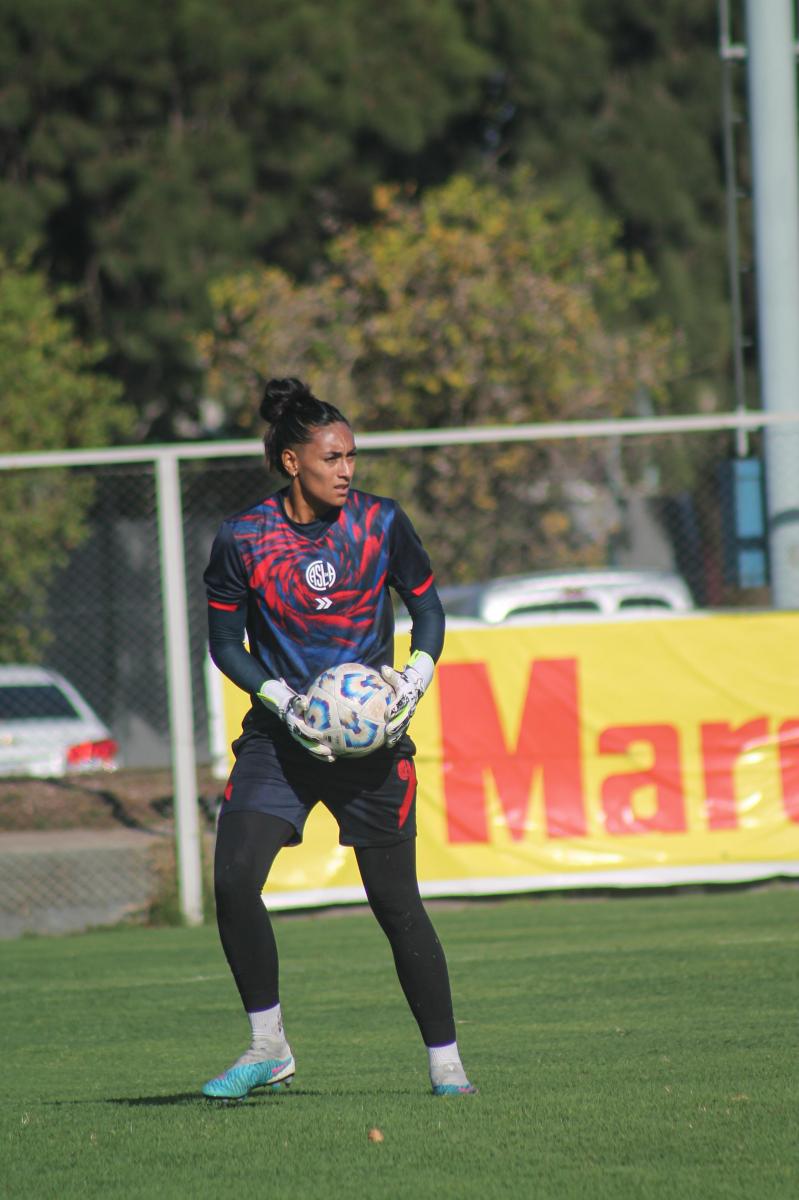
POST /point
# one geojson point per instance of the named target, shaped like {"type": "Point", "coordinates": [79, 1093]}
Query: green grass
{"type": "Point", "coordinates": [624, 1047]}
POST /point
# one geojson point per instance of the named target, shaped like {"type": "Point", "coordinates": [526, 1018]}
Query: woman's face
{"type": "Point", "coordinates": [323, 467]}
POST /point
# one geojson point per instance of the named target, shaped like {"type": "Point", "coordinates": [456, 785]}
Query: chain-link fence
{"type": "Point", "coordinates": [80, 880]}
{"type": "Point", "coordinates": [82, 584]}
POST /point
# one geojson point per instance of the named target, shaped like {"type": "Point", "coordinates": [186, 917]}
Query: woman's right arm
{"type": "Point", "coordinates": [226, 645]}
{"type": "Point", "coordinates": [227, 588]}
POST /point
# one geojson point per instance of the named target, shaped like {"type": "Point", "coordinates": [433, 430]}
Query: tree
{"type": "Point", "coordinates": [477, 303]}
{"type": "Point", "coordinates": [148, 148]}
{"type": "Point", "coordinates": [618, 106]}
{"type": "Point", "coordinates": [52, 398]}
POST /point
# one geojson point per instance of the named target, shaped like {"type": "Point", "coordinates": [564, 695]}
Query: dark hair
{"type": "Point", "coordinates": [293, 413]}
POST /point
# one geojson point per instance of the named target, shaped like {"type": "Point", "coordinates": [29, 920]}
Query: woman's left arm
{"type": "Point", "coordinates": [427, 621]}
{"type": "Point", "coordinates": [427, 642]}
{"type": "Point", "coordinates": [427, 639]}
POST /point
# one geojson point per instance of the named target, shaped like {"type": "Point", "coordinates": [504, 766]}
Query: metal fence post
{"type": "Point", "coordinates": [181, 716]}
{"type": "Point", "coordinates": [771, 61]}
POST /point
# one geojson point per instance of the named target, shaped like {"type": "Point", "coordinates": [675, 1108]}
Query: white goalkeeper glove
{"type": "Point", "coordinates": [291, 707]}
{"type": "Point", "coordinates": [409, 686]}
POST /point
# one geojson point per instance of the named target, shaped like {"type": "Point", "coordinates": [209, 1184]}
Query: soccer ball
{"type": "Point", "coordinates": [347, 707]}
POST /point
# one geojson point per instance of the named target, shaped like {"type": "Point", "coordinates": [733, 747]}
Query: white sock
{"type": "Point", "coordinates": [268, 1039]}
{"type": "Point", "coordinates": [446, 1065]}
{"type": "Point", "coordinates": [266, 1023]}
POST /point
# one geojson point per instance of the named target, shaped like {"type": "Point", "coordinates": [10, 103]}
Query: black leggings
{"type": "Point", "coordinates": [246, 846]}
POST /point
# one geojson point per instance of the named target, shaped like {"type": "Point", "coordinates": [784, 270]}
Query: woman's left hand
{"type": "Point", "coordinates": [409, 685]}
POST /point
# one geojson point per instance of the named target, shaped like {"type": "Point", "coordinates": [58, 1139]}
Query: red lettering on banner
{"type": "Point", "coordinates": [789, 767]}
{"type": "Point", "coordinates": [549, 743]}
{"type": "Point", "coordinates": [722, 746]}
{"type": "Point", "coordinates": [664, 775]}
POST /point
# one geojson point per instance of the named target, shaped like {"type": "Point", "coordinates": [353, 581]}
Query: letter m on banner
{"type": "Point", "coordinates": [547, 749]}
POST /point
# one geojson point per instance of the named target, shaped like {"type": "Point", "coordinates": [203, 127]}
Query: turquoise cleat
{"type": "Point", "coordinates": [454, 1089]}
{"type": "Point", "coordinates": [448, 1079]}
{"type": "Point", "coordinates": [239, 1080]}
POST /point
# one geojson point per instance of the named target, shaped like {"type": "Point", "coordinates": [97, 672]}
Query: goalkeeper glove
{"type": "Point", "coordinates": [291, 707]}
{"type": "Point", "coordinates": [409, 686]}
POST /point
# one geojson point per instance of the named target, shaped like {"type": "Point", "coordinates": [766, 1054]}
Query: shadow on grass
{"type": "Point", "coordinates": [259, 1097]}
{"type": "Point", "coordinates": [130, 1101]}
{"type": "Point", "coordinates": [196, 1098]}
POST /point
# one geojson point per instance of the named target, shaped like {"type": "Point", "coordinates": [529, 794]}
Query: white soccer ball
{"type": "Point", "coordinates": [347, 707]}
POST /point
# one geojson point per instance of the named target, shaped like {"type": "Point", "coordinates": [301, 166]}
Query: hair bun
{"type": "Point", "coordinates": [280, 394]}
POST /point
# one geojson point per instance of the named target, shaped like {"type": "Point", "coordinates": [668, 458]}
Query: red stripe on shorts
{"type": "Point", "coordinates": [406, 770]}
{"type": "Point", "coordinates": [224, 607]}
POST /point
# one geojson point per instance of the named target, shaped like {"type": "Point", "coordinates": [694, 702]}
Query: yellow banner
{"type": "Point", "coordinates": [618, 754]}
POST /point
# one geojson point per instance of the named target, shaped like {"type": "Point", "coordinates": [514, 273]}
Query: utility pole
{"type": "Point", "coordinates": [771, 68]}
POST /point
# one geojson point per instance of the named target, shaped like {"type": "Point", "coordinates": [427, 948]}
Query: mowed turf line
{"type": "Point", "coordinates": [624, 1047]}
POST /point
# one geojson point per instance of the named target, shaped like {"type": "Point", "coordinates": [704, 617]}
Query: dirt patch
{"type": "Point", "coordinates": [127, 799]}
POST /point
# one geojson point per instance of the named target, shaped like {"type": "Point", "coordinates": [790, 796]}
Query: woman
{"type": "Point", "coordinates": [306, 575]}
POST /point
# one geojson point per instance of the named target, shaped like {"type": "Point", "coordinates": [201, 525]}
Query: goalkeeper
{"type": "Point", "coordinates": [306, 575]}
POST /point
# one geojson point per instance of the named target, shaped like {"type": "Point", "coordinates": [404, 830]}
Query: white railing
{"type": "Point", "coordinates": [166, 461]}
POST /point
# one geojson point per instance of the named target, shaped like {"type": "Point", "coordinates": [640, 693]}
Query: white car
{"type": "Point", "coordinates": [587, 593]}
{"type": "Point", "coordinates": [46, 727]}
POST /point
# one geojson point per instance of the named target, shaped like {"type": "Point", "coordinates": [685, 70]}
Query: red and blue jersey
{"type": "Point", "coordinates": [316, 595]}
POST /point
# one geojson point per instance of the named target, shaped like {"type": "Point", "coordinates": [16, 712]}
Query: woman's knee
{"type": "Point", "coordinates": [400, 915]}
{"type": "Point", "coordinates": [246, 846]}
{"type": "Point", "coordinates": [238, 878]}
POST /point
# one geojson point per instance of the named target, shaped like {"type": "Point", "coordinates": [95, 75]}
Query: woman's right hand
{"type": "Point", "coordinates": [291, 707]}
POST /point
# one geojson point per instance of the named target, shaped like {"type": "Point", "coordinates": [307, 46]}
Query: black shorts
{"type": "Point", "coordinates": [373, 798]}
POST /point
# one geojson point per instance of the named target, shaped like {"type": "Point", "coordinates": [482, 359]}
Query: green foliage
{"type": "Point", "coordinates": [619, 105]}
{"type": "Point", "coordinates": [149, 148]}
{"type": "Point", "coordinates": [657, 163]}
{"type": "Point", "coordinates": [51, 399]}
{"type": "Point", "coordinates": [491, 302]}
{"type": "Point", "coordinates": [478, 303]}
{"type": "Point", "coordinates": [264, 322]}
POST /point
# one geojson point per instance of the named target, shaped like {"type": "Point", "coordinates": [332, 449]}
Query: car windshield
{"type": "Point", "coordinates": [555, 606]}
{"type": "Point", "coordinates": [26, 702]}
{"type": "Point", "coordinates": [643, 602]}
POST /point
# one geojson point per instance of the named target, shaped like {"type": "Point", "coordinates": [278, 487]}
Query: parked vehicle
{"type": "Point", "coordinates": [556, 594]}
{"type": "Point", "coordinates": [46, 727]}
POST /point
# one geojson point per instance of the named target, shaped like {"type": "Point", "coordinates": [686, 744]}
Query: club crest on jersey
{"type": "Point", "coordinates": [320, 575]}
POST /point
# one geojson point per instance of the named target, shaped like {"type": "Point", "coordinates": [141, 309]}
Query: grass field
{"type": "Point", "coordinates": [626, 1047]}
